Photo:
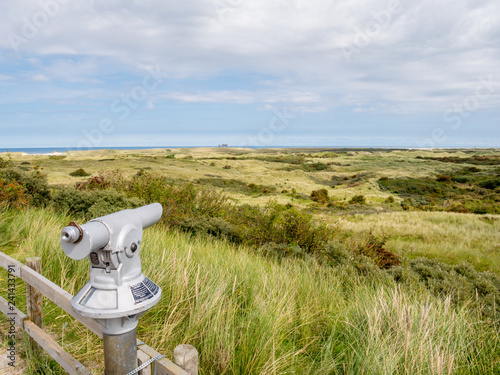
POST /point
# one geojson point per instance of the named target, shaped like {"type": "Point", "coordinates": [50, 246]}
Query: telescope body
{"type": "Point", "coordinates": [117, 293]}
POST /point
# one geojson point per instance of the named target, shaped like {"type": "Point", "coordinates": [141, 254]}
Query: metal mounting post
{"type": "Point", "coordinates": [120, 353]}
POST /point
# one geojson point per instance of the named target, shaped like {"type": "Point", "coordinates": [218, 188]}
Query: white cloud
{"type": "Point", "coordinates": [245, 97]}
{"type": "Point", "coordinates": [426, 57]}
{"type": "Point", "coordinates": [39, 78]}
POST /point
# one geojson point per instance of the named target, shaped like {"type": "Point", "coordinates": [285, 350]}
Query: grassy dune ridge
{"type": "Point", "coordinates": [246, 314]}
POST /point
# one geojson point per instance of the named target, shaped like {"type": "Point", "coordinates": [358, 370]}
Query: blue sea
{"type": "Point", "coordinates": [49, 150]}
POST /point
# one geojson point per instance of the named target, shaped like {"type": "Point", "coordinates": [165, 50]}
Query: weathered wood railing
{"type": "Point", "coordinates": [185, 356]}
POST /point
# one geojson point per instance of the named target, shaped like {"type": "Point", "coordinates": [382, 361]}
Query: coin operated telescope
{"type": "Point", "coordinates": [117, 293]}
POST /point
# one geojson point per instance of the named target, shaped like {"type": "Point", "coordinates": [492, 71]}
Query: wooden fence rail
{"type": "Point", "coordinates": [187, 356]}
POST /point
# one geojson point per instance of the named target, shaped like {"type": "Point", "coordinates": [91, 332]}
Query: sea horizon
{"type": "Point", "coordinates": [55, 149]}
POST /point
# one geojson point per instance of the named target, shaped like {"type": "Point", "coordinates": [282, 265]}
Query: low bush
{"type": "Point", "coordinates": [358, 199]}
{"type": "Point", "coordinates": [92, 204]}
{"type": "Point", "coordinates": [5, 163]}
{"type": "Point", "coordinates": [312, 167]}
{"type": "Point", "coordinates": [461, 179]}
{"type": "Point", "coordinates": [461, 282]}
{"type": "Point", "coordinates": [320, 196]}
{"type": "Point", "coordinates": [34, 184]}
{"type": "Point", "coordinates": [79, 173]}
{"type": "Point", "coordinates": [261, 189]}
{"type": "Point", "coordinates": [214, 226]}
{"type": "Point", "coordinates": [280, 224]}
{"type": "Point", "coordinates": [475, 159]}
{"type": "Point", "coordinates": [12, 195]}
{"type": "Point", "coordinates": [180, 201]}
{"type": "Point", "coordinates": [459, 192]}
{"type": "Point", "coordinates": [279, 252]}
{"type": "Point", "coordinates": [443, 178]}
{"type": "Point", "coordinates": [373, 247]}
{"type": "Point", "coordinates": [328, 155]}
{"type": "Point", "coordinates": [291, 159]}
{"type": "Point", "coordinates": [390, 199]}
{"type": "Point", "coordinates": [94, 183]}
{"type": "Point", "coordinates": [490, 184]}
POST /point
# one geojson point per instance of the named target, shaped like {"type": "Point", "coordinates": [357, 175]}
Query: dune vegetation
{"type": "Point", "coordinates": [300, 261]}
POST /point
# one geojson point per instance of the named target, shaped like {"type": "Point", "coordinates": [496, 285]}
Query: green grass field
{"type": "Point", "coordinates": [252, 314]}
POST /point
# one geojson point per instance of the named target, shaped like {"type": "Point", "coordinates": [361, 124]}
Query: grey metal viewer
{"type": "Point", "coordinates": [118, 293]}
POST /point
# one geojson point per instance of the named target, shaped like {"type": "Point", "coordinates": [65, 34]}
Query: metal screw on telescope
{"type": "Point", "coordinates": [117, 293]}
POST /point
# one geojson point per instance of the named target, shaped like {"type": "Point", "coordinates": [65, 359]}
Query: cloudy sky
{"type": "Point", "coordinates": [110, 73]}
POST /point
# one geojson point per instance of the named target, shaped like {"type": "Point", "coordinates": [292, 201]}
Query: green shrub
{"type": "Point", "coordinates": [329, 155]}
{"type": "Point", "coordinates": [214, 226]}
{"type": "Point", "coordinates": [179, 201]}
{"type": "Point", "coordinates": [170, 156]}
{"type": "Point", "coordinates": [280, 251]}
{"type": "Point", "coordinates": [34, 184]}
{"type": "Point", "coordinates": [390, 199]}
{"type": "Point", "coordinates": [312, 167]}
{"type": "Point", "coordinates": [462, 179]}
{"type": "Point", "coordinates": [490, 184]}
{"type": "Point", "coordinates": [79, 173]}
{"type": "Point", "coordinates": [443, 178]}
{"type": "Point", "coordinates": [5, 163]}
{"type": "Point", "coordinates": [198, 209]}
{"type": "Point", "coordinates": [476, 159]}
{"type": "Point", "coordinates": [320, 196]}
{"type": "Point", "coordinates": [358, 199]}
{"type": "Point", "coordinates": [461, 282]}
{"type": "Point", "coordinates": [91, 204]}
{"type": "Point", "coordinates": [280, 224]}
{"type": "Point", "coordinates": [447, 194]}
{"type": "Point", "coordinates": [350, 264]}
{"type": "Point", "coordinates": [292, 159]}
{"type": "Point", "coordinates": [12, 195]}
{"type": "Point", "coordinates": [94, 183]}
{"type": "Point", "coordinates": [371, 247]}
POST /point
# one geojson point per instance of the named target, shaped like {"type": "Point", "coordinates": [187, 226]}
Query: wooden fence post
{"type": "Point", "coordinates": [34, 303]}
{"type": "Point", "coordinates": [186, 357]}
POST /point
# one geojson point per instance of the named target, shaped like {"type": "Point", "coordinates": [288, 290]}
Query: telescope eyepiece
{"type": "Point", "coordinates": [70, 234]}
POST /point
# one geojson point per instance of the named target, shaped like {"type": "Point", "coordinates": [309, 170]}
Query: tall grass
{"type": "Point", "coordinates": [445, 236]}
{"type": "Point", "coordinates": [250, 315]}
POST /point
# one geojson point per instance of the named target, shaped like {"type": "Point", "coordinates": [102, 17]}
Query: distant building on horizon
{"type": "Point", "coordinates": [223, 145]}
